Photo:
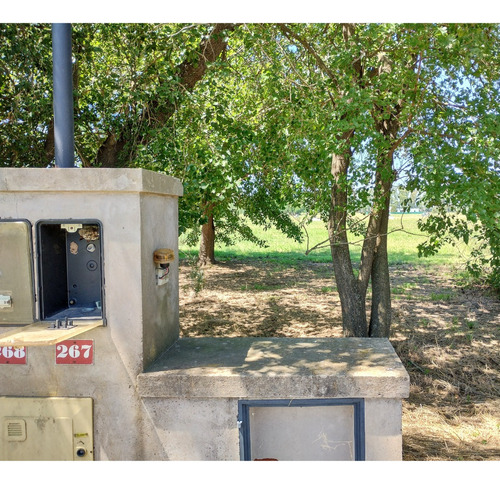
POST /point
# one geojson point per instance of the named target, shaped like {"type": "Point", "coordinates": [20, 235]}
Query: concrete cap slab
{"type": "Point", "coordinates": [88, 179]}
{"type": "Point", "coordinates": [277, 368]}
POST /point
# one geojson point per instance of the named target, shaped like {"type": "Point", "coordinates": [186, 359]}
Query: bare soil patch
{"type": "Point", "coordinates": [446, 336]}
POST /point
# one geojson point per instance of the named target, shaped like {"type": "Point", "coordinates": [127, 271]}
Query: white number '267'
{"type": "Point", "coordinates": [73, 351]}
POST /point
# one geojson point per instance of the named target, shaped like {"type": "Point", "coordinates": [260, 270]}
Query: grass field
{"type": "Point", "coordinates": [403, 239]}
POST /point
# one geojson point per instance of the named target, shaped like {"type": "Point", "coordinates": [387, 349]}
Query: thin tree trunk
{"type": "Point", "coordinates": [207, 243]}
{"type": "Point", "coordinates": [352, 299]}
{"type": "Point", "coordinates": [380, 315]}
{"type": "Point", "coordinates": [352, 292]}
{"type": "Point", "coordinates": [380, 318]}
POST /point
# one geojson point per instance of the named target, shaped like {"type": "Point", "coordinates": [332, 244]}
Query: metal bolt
{"type": "Point", "coordinates": [92, 265]}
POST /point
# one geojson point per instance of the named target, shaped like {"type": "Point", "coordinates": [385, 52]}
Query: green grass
{"type": "Point", "coordinates": [402, 246]}
{"type": "Point", "coordinates": [446, 297]}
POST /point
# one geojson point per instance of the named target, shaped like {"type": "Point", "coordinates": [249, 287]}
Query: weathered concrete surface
{"type": "Point", "coordinates": [205, 429]}
{"type": "Point", "coordinates": [383, 429]}
{"type": "Point", "coordinates": [191, 392]}
{"type": "Point", "coordinates": [137, 218]}
{"type": "Point", "coordinates": [88, 180]}
{"type": "Point", "coordinates": [195, 429]}
{"type": "Point", "coordinates": [276, 368]}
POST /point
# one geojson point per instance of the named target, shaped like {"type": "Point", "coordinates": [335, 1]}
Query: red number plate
{"type": "Point", "coordinates": [75, 352]}
{"type": "Point", "coordinates": [13, 355]}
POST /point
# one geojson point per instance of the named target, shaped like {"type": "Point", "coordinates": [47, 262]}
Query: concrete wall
{"type": "Point", "coordinates": [206, 428]}
{"type": "Point", "coordinates": [160, 304]}
{"type": "Point", "coordinates": [191, 392]}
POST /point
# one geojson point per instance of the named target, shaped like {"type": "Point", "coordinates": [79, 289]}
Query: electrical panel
{"type": "Point", "coordinates": [70, 269]}
{"type": "Point", "coordinates": [51, 277]}
{"type": "Point", "coordinates": [46, 429]}
{"type": "Point", "coordinates": [70, 274]}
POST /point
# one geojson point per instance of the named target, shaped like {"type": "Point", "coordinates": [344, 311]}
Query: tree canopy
{"type": "Point", "coordinates": [255, 118]}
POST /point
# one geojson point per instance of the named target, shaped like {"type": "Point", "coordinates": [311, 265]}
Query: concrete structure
{"type": "Point", "coordinates": [192, 391]}
{"type": "Point", "coordinates": [138, 212]}
{"type": "Point", "coordinates": [158, 397]}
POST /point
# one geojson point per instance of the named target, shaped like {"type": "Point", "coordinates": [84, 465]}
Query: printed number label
{"type": "Point", "coordinates": [12, 355]}
{"type": "Point", "coordinates": [75, 352]}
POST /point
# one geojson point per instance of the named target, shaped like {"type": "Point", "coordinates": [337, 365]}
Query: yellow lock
{"type": "Point", "coordinates": [163, 256]}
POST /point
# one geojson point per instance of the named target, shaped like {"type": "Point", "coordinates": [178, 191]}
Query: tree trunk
{"type": "Point", "coordinates": [380, 318]}
{"type": "Point", "coordinates": [207, 244]}
{"type": "Point", "coordinates": [352, 299]}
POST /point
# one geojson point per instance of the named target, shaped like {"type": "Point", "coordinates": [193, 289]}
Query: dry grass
{"type": "Point", "coordinates": [448, 339]}
{"type": "Point", "coordinates": [446, 336]}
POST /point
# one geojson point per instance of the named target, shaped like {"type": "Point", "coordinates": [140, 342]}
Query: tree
{"type": "Point", "coordinates": [370, 94]}
{"type": "Point", "coordinates": [25, 97]}
{"type": "Point", "coordinates": [129, 79]}
{"type": "Point", "coordinates": [259, 118]}
{"type": "Point", "coordinates": [147, 95]}
{"type": "Point", "coordinates": [218, 144]}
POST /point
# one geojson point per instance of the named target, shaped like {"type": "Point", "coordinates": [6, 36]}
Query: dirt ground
{"type": "Point", "coordinates": [446, 336]}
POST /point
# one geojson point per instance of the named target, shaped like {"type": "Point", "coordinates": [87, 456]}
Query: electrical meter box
{"type": "Point", "coordinates": [69, 271]}
{"type": "Point", "coordinates": [51, 277]}
{"type": "Point", "coordinates": [46, 429]}
{"type": "Point", "coordinates": [89, 298]}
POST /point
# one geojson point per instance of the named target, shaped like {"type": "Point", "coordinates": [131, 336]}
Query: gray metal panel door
{"type": "Point", "coordinates": [17, 300]}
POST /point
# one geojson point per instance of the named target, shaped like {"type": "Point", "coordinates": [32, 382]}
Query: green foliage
{"type": "Point", "coordinates": [25, 93]}
{"type": "Point", "coordinates": [441, 296]}
{"type": "Point", "coordinates": [120, 72]}
{"type": "Point", "coordinates": [216, 145]}
{"type": "Point", "coordinates": [455, 160]}
{"type": "Point", "coordinates": [254, 139]}
{"type": "Point", "coordinates": [438, 84]}
{"type": "Point", "coordinates": [196, 275]}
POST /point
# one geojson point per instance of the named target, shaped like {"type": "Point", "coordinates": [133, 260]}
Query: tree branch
{"type": "Point", "coordinates": [190, 72]}
{"type": "Point", "coordinates": [291, 35]}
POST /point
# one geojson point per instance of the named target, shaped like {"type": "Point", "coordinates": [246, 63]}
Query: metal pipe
{"type": "Point", "coordinates": [63, 95]}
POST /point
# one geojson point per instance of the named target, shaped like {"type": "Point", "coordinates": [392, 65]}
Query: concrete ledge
{"type": "Point", "coordinates": [276, 368]}
{"type": "Point", "coordinates": [88, 180]}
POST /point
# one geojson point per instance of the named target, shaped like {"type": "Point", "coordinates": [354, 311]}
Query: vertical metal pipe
{"type": "Point", "coordinates": [63, 95]}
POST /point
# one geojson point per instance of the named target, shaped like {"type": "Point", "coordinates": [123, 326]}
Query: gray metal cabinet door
{"type": "Point", "coordinates": [17, 299]}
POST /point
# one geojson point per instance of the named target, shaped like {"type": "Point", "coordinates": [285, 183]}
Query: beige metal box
{"type": "Point", "coordinates": [16, 273]}
{"type": "Point", "coordinates": [46, 429]}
